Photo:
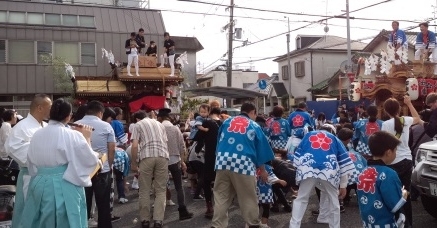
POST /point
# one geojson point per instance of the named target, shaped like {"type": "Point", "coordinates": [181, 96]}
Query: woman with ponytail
{"type": "Point", "coordinates": [403, 164]}
{"type": "Point", "coordinates": [366, 127]}
{"type": "Point", "coordinates": [60, 161]}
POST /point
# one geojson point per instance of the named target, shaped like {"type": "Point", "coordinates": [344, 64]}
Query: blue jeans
{"type": "Point", "coordinates": [119, 180]}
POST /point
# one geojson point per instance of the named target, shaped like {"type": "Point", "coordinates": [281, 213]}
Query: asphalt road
{"type": "Point", "coordinates": [350, 219]}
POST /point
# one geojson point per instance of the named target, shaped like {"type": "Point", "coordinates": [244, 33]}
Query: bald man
{"type": "Point", "coordinates": [17, 146]}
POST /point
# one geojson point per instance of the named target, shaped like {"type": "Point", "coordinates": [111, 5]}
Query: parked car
{"type": "Point", "coordinates": [424, 176]}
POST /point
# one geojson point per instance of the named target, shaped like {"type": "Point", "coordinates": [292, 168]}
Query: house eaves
{"type": "Point", "coordinates": [326, 43]}
{"type": "Point", "coordinates": [325, 83]}
{"type": "Point", "coordinates": [384, 36]}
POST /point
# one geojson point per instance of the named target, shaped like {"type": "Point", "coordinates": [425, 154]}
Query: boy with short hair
{"type": "Point", "coordinates": [380, 192]}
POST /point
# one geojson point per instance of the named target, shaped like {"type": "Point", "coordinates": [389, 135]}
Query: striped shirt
{"type": "Point", "coordinates": [176, 146]}
{"type": "Point", "coordinates": [152, 139]}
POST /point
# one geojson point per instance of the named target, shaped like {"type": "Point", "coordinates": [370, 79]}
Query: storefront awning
{"type": "Point", "coordinates": [225, 92]}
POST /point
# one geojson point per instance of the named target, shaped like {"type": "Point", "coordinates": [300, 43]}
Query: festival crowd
{"type": "Point", "coordinates": [67, 166]}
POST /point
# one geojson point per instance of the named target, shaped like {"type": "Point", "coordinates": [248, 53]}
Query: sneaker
{"type": "Point", "coordinates": [138, 75]}
{"type": "Point", "coordinates": [171, 75]}
{"type": "Point", "coordinates": [170, 203]}
{"type": "Point", "coordinates": [162, 66]}
{"type": "Point", "coordinates": [129, 75]}
{"type": "Point", "coordinates": [287, 208]}
{"type": "Point", "coordinates": [157, 224]}
{"type": "Point", "coordinates": [115, 218]}
{"type": "Point", "coordinates": [315, 212]}
{"type": "Point", "coordinates": [274, 208]}
{"type": "Point", "coordinates": [92, 223]}
{"type": "Point", "coordinates": [122, 200]}
{"type": "Point", "coordinates": [342, 209]}
{"type": "Point", "coordinates": [199, 197]}
{"type": "Point", "coordinates": [145, 224]}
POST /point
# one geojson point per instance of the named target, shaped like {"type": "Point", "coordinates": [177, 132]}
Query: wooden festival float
{"type": "Point", "coordinates": [152, 90]}
{"type": "Point", "coordinates": [390, 74]}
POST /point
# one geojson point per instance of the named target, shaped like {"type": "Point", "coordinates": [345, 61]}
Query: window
{"type": "Point", "coordinates": [245, 85]}
{"type": "Point", "coordinates": [2, 51]}
{"type": "Point", "coordinates": [88, 54]}
{"type": "Point", "coordinates": [69, 20]}
{"type": "Point", "coordinates": [53, 19]}
{"type": "Point", "coordinates": [17, 17]}
{"type": "Point", "coordinates": [3, 16]}
{"type": "Point", "coordinates": [68, 51]}
{"type": "Point", "coordinates": [86, 21]}
{"type": "Point", "coordinates": [208, 84]}
{"type": "Point", "coordinates": [21, 51]}
{"type": "Point", "coordinates": [35, 18]}
{"type": "Point", "coordinates": [44, 50]}
{"type": "Point", "coordinates": [285, 73]}
{"type": "Point", "coordinates": [299, 69]}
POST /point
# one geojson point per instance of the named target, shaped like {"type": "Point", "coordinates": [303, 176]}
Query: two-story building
{"type": "Point", "coordinates": [315, 59]}
{"type": "Point", "coordinates": [31, 30]}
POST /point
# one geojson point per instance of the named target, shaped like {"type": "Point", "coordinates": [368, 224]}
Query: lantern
{"type": "Point", "coordinates": [412, 88]}
{"type": "Point", "coordinates": [355, 91]}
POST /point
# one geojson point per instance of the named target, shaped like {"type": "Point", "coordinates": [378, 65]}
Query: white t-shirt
{"type": "Point", "coordinates": [403, 151]}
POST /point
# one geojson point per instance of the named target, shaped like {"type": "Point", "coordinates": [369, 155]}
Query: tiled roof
{"type": "Point", "coordinates": [262, 76]}
{"type": "Point", "coordinates": [384, 34]}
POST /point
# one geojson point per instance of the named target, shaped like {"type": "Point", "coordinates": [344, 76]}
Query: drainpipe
{"type": "Point", "coordinates": [312, 80]}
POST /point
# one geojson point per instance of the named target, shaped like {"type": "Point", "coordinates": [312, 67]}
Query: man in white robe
{"type": "Point", "coordinates": [17, 146]}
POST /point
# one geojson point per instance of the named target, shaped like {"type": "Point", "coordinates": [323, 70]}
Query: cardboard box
{"type": "Point", "coordinates": [147, 61]}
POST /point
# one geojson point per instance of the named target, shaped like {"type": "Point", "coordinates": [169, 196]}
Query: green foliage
{"type": "Point", "coordinates": [62, 81]}
{"type": "Point", "coordinates": [191, 105]}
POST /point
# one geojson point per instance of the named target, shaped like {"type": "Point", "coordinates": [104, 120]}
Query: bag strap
{"type": "Point", "coordinates": [398, 135]}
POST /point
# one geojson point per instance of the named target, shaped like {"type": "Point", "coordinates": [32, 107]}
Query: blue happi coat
{"type": "Point", "coordinates": [379, 195]}
{"type": "Point", "coordinates": [278, 131]}
{"type": "Point", "coordinates": [121, 161]}
{"type": "Point", "coordinates": [398, 37]}
{"type": "Point", "coordinates": [323, 156]}
{"type": "Point", "coordinates": [421, 43]}
{"type": "Point", "coordinates": [360, 164]}
{"type": "Point", "coordinates": [363, 130]}
{"type": "Point", "coordinates": [264, 189]}
{"type": "Point", "coordinates": [298, 120]}
{"type": "Point", "coordinates": [120, 135]}
{"type": "Point", "coordinates": [242, 146]}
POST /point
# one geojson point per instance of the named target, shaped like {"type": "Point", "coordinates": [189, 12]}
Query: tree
{"type": "Point", "coordinates": [56, 65]}
{"type": "Point", "coordinates": [191, 105]}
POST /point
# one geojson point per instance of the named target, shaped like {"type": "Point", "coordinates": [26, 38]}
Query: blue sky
{"type": "Point", "coordinates": [208, 28]}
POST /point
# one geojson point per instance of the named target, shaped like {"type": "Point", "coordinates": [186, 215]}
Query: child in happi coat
{"type": "Point", "coordinates": [321, 160]}
{"type": "Point", "coordinates": [197, 126]}
{"type": "Point", "coordinates": [346, 135]}
{"type": "Point", "coordinates": [380, 192]}
{"type": "Point", "coordinates": [121, 171]}
{"type": "Point", "coordinates": [265, 192]}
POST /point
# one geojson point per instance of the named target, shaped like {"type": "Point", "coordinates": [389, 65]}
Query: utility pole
{"type": "Point", "coordinates": [349, 54]}
{"type": "Point", "coordinates": [231, 38]}
{"type": "Point", "coordinates": [289, 64]}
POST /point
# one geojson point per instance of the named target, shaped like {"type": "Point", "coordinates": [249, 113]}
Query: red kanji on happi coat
{"type": "Point", "coordinates": [297, 121]}
{"type": "Point", "coordinates": [238, 124]}
{"type": "Point", "coordinates": [276, 128]}
{"type": "Point", "coordinates": [353, 157]}
{"type": "Point", "coordinates": [367, 180]}
{"type": "Point", "coordinates": [320, 141]}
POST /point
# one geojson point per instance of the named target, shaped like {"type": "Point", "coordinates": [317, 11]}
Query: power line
{"type": "Point", "coordinates": [301, 27]}
{"type": "Point", "coordinates": [324, 17]}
